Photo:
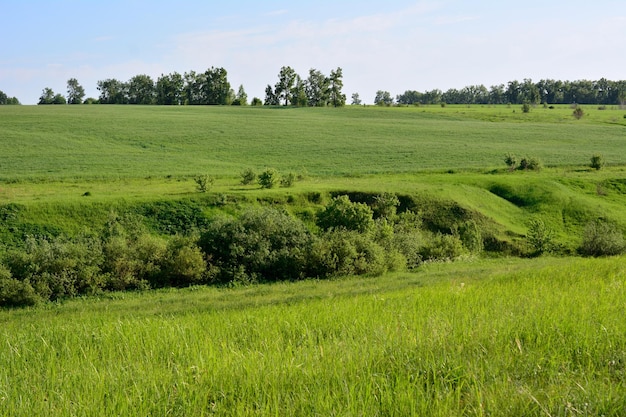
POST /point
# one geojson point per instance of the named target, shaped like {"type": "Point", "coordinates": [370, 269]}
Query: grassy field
{"type": "Point", "coordinates": [500, 338]}
{"type": "Point", "coordinates": [109, 142]}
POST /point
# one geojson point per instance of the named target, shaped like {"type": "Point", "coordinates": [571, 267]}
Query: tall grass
{"type": "Point", "coordinates": [504, 338]}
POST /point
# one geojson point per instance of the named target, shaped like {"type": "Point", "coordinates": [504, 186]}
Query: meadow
{"type": "Point", "coordinates": [543, 337]}
{"type": "Point", "coordinates": [487, 334]}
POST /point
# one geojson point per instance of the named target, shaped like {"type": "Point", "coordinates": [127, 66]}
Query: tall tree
{"type": "Point", "coordinates": [286, 82]}
{"type": "Point", "coordinates": [75, 92]}
{"type": "Point", "coordinates": [317, 87]}
{"type": "Point", "coordinates": [241, 99]}
{"type": "Point", "coordinates": [112, 91]}
{"type": "Point", "coordinates": [383, 98]}
{"type": "Point", "coordinates": [141, 90]}
{"type": "Point", "coordinates": [169, 89]}
{"type": "Point", "coordinates": [356, 99]}
{"type": "Point", "coordinates": [47, 96]}
{"type": "Point", "coordinates": [337, 98]}
{"type": "Point", "coordinates": [216, 87]}
{"type": "Point", "coordinates": [271, 99]}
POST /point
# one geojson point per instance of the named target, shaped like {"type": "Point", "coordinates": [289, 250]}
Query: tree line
{"type": "Point", "coordinates": [210, 87]}
{"type": "Point", "coordinates": [601, 92]}
{"type": "Point", "coordinates": [4, 99]}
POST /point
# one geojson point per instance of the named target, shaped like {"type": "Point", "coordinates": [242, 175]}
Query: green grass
{"type": "Point", "coordinates": [512, 337]}
{"type": "Point", "coordinates": [51, 143]}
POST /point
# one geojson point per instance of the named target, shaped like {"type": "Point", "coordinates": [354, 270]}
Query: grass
{"type": "Point", "coordinates": [52, 143]}
{"type": "Point", "coordinates": [512, 337]}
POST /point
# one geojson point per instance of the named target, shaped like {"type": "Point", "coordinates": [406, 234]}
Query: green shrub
{"type": "Point", "coordinates": [341, 213]}
{"type": "Point", "coordinates": [385, 205]}
{"type": "Point", "coordinates": [59, 267]}
{"type": "Point", "coordinates": [441, 247]}
{"type": "Point", "coordinates": [511, 161]}
{"type": "Point", "coordinates": [578, 113]}
{"type": "Point", "coordinates": [597, 161]}
{"type": "Point", "coordinates": [530, 164]}
{"type": "Point", "coordinates": [268, 178]}
{"type": "Point", "coordinates": [15, 293]}
{"type": "Point", "coordinates": [540, 237]}
{"type": "Point", "coordinates": [341, 252]}
{"type": "Point", "coordinates": [602, 238]}
{"type": "Point", "coordinates": [203, 182]}
{"type": "Point", "coordinates": [525, 108]}
{"type": "Point", "coordinates": [470, 235]}
{"type": "Point", "coordinates": [248, 176]}
{"type": "Point", "coordinates": [183, 263]}
{"type": "Point", "coordinates": [288, 180]}
{"type": "Point", "coordinates": [262, 244]}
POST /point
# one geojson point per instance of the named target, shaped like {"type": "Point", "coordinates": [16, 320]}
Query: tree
{"type": "Point", "coordinates": [241, 99]}
{"type": "Point", "coordinates": [317, 88]}
{"type": "Point", "coordinates": [216, 88]}
{"type": "Point", "coordinates": [271, 99]}
{"type": "Point", "coordinates": [112, 91]}
{"type": "Point", "coordinates": [141, 90]}
{"type": "Point", "coordinates": [4, 99]}
{"type": "Point", "coordinates": [47, 96]}
{"type": "Point", "coordinates": [298, 96]}
{"type": "Point", "coordinates": [286, 82]}
{"type": "Point", "coordinates": [356, 100]}
{"type": "Point", "coordinates": [341, 213]}
{"type": "Point", "coordinates": [383, 98]}
{"type": "Point", "coordinates": [170, 89]}
{"type": "Point", "coordinates": [75, 92]}
{"type": "Point", "coordinates": [337, 98]}
{"type": "Point", "coordinates": [59, 99]}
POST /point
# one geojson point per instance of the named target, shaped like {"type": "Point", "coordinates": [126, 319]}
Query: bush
{"type": "Point", "coordinates": [470, 236]}
{"type": "Point", "coordinates": [268, 178]}
{"type": "Point", "coordinates": [341, 213]}
{"type": "Point", "coordinates": [203, 182]}
{"type": "Point", "coordinates": [15, 293]}
{"type": "Point", "coordinates": [262, 244]}
{"type": "Point", "coordinates": [288, 180]}
{"type": "Point", "coordinates": [511, 161]}
{"type": "Point", "coordinates": [525, 108]}
{"type": "Point", "coordinates": [530, 164]}
{"type": "Point", "coordinates": [578, 113]}
{"type": "Point", "coordinates": [341, 252]}
{"type": "Point", "coordinates": [183, 263]}
{"type": "Point", "coordinates": [602, 238]}
{"type": "Point", "coordinates": [597, 161]}
{"type": "Point", "coordinates": [58, 267]}
{"type": "Point", "coordinates": [385, 205]}
{"type": "Point", "coordinates": [442, 248]}
{"type": "Point", "coordinates": [540, 237]}
{"type": "Point", "coordinates": [248, 177]}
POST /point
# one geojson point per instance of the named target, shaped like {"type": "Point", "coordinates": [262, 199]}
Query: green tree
{"type": "Point", "coordinates": [141, 90]}
{"type": "Point", "coordinates": [383, 98]}
{"type": "Point", "coordinates": [337, 98]}
{"type": "Point", "coordinates": [284, 86]}
{"type": "Point", "coordinates": [47, 96]}
{"type": "Point", "coordinates": [241, 99]}
{"type": "Point", "coordinates": [170, 89]}
{"type": "Point", "coordinates": [112, 91]}
{"type": "Point", "coordinates": [216, 88]}
{"type": "Point", "coordinates": [341, 213]}
{"type": "Point", "coordinates": [268, 178]}
{"type": "Point", "coordinates": [75, 92]}
{"type": "Point", "coordinates": [356, 99]}
{"type": "Point", "coordinates": [271, 99]}
{"type": "Point", "coordinates": [317, 88]}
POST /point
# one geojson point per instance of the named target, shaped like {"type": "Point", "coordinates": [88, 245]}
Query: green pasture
{"type": "Point", "coordinates": [500, 338]}
{"type": "Point", "coordinates": [59, 143]}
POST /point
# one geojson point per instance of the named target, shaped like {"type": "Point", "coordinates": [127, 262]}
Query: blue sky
{"type": "Point", "coordinates": [394, 46]}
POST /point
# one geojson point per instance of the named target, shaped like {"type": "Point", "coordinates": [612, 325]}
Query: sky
{"type": "Point", "coordinates": [393, 45]}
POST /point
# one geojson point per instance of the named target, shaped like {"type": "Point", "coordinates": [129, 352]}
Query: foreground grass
{"type": "Point", "coordinates": [507, 337]}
